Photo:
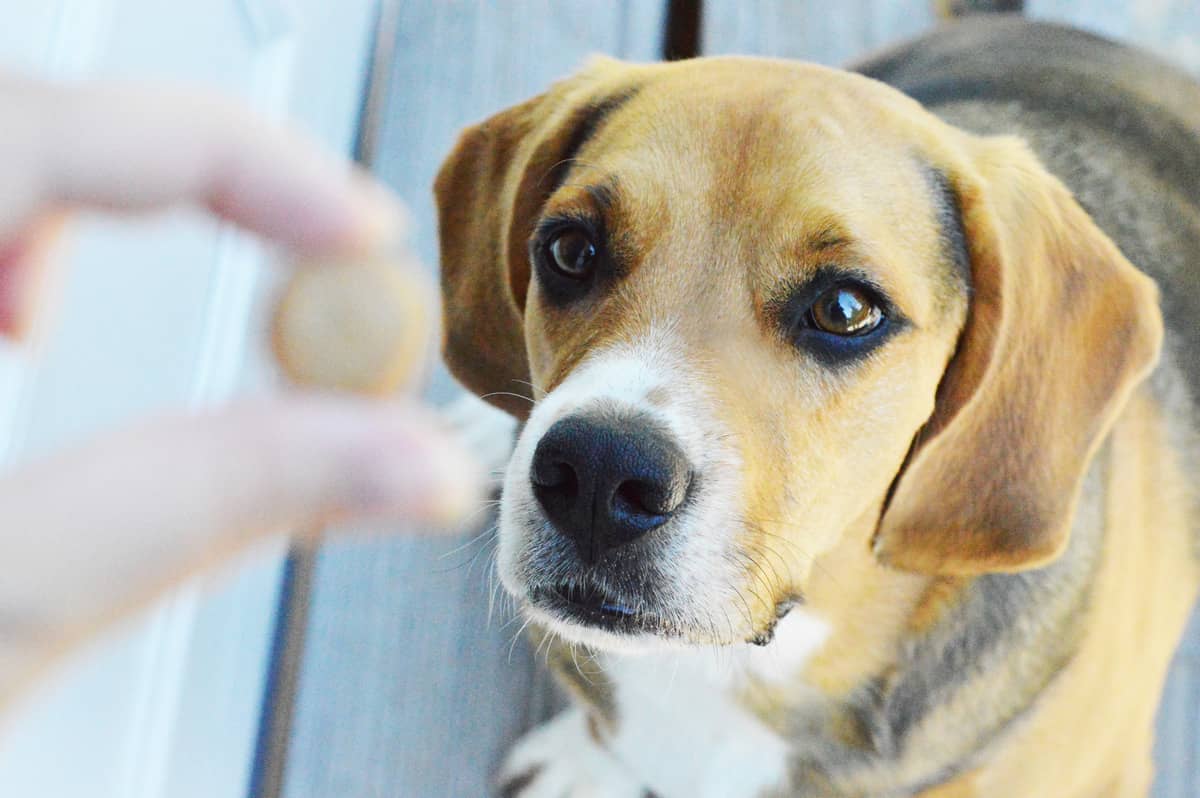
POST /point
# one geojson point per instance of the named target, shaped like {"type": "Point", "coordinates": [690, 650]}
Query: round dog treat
{"type": "Point", "coordinates": [360, 327]}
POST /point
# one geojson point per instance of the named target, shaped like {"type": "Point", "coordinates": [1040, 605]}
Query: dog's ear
{"type": "Point", "coordinates": [489, 192]}
{"type": "Point", "coordinates": [1059, 330]}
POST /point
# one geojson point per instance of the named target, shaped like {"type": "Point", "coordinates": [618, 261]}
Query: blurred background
{"type": "Point", "coordinates": [370, 667]}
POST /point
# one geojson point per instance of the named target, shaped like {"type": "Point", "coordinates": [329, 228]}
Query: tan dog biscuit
{"type": "Point", "coordinates": [359, 327]}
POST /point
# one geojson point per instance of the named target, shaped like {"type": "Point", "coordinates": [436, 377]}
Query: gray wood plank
{"type": "Point", "coordinates": [809, 30]}
{"type": "Point", "coordinates": [406, 689]}
{"type": "Point", "coordinates": [1175, 751]}
{"type": "Point", "coordinates": [1170, 28]}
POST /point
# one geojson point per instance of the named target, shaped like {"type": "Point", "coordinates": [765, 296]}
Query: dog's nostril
{"type": "Point", "coordinates": [556, 475]}
{"type": "Point", "coordinates": [640, 497]}
{"type": "Point", "coordinates": [556, 485]}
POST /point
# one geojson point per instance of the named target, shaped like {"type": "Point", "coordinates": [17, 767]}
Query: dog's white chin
{"type": "Point", "coordinates": [603, 639]}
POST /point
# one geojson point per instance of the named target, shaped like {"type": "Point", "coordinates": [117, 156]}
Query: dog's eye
{"type": "Point", "coordinates": [845, 310]}
{"type": "Point", "coordinates": [572, 253]}
{"type": "Point", "coordinates": [836, 316]}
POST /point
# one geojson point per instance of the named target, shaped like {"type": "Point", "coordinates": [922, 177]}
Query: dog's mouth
{"type": "Point", "coordinates": [590, 605]}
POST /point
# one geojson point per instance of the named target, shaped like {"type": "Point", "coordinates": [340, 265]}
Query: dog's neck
{"type": "Point", "coordinates": [871, 610]}
{"type": "Point", "coordinates": [918, 672]}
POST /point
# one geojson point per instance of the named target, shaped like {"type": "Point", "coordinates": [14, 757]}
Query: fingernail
{"type": "Point", "coordinates": [436, 481]}
{"type": "Point", "coordinates": [383, 221]}
{"type": "Point", "coordinates": [14, 273]}
{"type": "Point", "coordinates": [25, 273]}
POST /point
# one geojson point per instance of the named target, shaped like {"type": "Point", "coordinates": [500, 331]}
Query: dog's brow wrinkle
{"type": "Point", "coordinates": [950, 222]}
{"type": "Point", "coordinates": [584, 125]}
{"type": "Point", "coordinates": [606, 195]}
{"type": "Point", "coordinates": [826, 238]}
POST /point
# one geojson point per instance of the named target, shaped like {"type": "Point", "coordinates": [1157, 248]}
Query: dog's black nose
{"type": "Point", "coordinates": [607, 480]}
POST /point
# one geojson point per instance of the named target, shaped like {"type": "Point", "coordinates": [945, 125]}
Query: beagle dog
{"type": "Point", "coordinates": [855, 457]}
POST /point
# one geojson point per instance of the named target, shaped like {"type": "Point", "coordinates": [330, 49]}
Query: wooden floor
{"type": "Point", "coordinates": [407, 688]}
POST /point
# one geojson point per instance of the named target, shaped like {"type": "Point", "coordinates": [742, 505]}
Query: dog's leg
{"type": "Point", "coordinates": [560, 759]}
{"type": "Point", "coordinates": [674, 729]}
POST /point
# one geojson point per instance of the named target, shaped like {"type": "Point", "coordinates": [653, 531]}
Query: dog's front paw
{"type": "Point", "coordinates": [561, 760]}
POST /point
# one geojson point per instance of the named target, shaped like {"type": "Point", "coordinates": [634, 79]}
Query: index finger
{"type": "Point", "coordinates": [132, 147]}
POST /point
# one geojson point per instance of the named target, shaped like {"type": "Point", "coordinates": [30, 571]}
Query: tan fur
{"type": "Point", "coordinates": [712, 217]}
{"type": "Point", "coordinates": [1093, 733]}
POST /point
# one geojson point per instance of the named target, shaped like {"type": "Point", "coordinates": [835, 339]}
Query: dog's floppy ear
{"type": "Point", "coordinates": [1060, 329]}
{"type": "Point", "coordinates": [489, 192]}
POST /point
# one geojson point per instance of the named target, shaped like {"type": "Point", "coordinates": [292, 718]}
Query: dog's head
{"type": "Point", "coordinates": [748, 308]}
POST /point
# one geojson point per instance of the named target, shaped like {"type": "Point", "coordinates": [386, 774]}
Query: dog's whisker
{"type": "Point", "coordinates": [489, 542]}
{"type": "Point", "coordinates": [492, 531]}
{"type": "Point", "coordinates": [564, 162]}
{"type": "Point", "coordinates": [768, 607]}
{"type": "Point", "coordinates": [513, 643]}
{"type": "Point", "coordinates": [549, 639]}
{"type": "Point", "coordinates": [537, 389]}
{"type": "Point", "coordinates": [754, 527]}
{"type": "Point", "coordinates": [483, 545]}
{"type": "Point", "coordinates": [578, 668]}
{"type": "Point", "coordinates": [510, 394]}
{"type": "Point", "coordinates": [492, 585]}
{"type": "Point", "coordinates": [757, 523]}
{"type": "Point", "coordinates": [766, 562]}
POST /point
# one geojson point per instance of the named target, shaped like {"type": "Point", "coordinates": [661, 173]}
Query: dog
{"type": "Point", "coordinates": [858, 439]}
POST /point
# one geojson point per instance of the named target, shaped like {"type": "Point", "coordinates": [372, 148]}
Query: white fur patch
{"type": "Point", "coordinates": [797, 637]}
{"type": "Point", "coordinates": [566, 763]}
{"type": "Point", "coordinates": [681, 724]}
{"type": "Point", "coordinates": [681, 731]}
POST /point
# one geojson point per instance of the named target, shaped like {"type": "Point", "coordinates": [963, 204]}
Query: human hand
{"type": "Point", "coordinates": [88, 533]}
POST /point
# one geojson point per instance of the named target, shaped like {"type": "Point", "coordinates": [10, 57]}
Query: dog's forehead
{"type": "Point", "coordinates": [741, 105]}
{"type": "Point", "coordinates": [762, 164]}
{"type": "Point", "coordinates": [765, 134]}
{"type": "Point", "coordinates": [723, 186]}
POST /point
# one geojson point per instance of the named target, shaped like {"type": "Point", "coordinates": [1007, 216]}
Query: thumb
{"type": "Point", "coordinates": [91, 532]}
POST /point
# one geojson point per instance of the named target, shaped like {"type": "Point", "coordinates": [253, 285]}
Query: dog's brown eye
{"type": "Point", "coordinates": [572, 253]}
{"type": "Point", "coordinates": [846, 310]}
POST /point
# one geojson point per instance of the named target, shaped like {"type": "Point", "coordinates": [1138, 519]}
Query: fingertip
{"type": "Point", "coordinates": [338, 457]}
{"type": "Point", "coordinates": [379, 221]}
{"type": "Point", "coordinates": [427, 478]}
{"type": "Point", "coordinates": [458, 485]}
{"type": "Point", "coordinates": [25, 267]}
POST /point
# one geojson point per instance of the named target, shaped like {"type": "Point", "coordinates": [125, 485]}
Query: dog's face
{"type": "Point", "coordinates": [740, 308]}
{"type": "Point", "coordinates": [733, 291]}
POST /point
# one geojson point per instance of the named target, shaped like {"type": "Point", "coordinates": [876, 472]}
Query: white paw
{"type": "Point", "coordinates": [487, 432]}
{"type": "Point", "coordinates": [559, 759]}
